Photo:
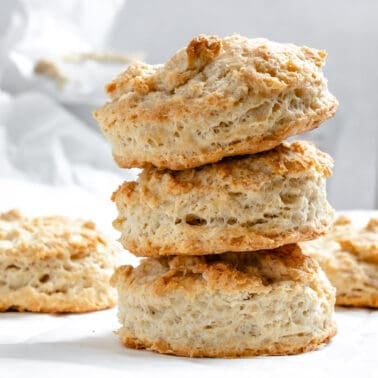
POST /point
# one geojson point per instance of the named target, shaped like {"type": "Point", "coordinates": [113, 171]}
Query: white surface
{"type": "Point", "coordinates": [75, 344]}
{"type": "Point", "coordinates": [83, 345]}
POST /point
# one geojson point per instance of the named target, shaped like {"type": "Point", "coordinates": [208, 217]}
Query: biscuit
{"type": "Point", "coordinates": [216, 98]}
{"type": "Point", "coordinates": [244, 203]}
{"type": "Point", "coordinates": [349, 257]}
{"type": "Point", "coordinates": [229, 305]}
{"type": "Point", "coordinates": [54, 264]}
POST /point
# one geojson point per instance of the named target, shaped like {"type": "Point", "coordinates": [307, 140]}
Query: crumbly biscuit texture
{"type": "Point", "coordinates": [216, 98]}
{"type": "Point", "coordinates": [245, 203]}
{"type": "Point", "coordinates": [229, 305]}
{"type": "Point", "coordinates": [54, 264]}
{"type": "Point", "coordinates": [349, 256]}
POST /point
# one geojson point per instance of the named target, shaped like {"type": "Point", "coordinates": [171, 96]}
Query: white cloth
{"type": "Point", "coordinates": [42, 142]}
{"type": "Point", "coordinates": [41, 139]}
{"type": "Point", "coordinates": [32, 30]}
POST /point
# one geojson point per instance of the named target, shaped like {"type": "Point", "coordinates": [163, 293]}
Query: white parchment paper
{"type": "Point", "coordinates": [73, 345]}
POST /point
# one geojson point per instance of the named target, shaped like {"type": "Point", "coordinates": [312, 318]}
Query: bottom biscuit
{"type": "Point", "coordinates": [229, 305]}
{"type": "Point", "coordinates": [186, 351]}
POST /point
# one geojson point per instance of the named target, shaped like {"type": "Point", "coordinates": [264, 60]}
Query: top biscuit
{"type": "Point", "coordinates": [216, 98]}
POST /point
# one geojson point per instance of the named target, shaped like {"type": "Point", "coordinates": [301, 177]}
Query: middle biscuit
{"type": "Point", "coordinates": [244, 203]}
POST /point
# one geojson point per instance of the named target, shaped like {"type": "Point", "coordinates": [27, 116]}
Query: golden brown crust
{"type": "Point", "coordinates": [362, 300]}
{"type": "Point", "coordinates": [265, 65]}
{"type": "Point", "coordinates": [372, 225]}
{"type": "Point", "coordinates": [222, 240]}
{"type": "Point", "coordinates": [215, 98]}
{"type": "Point", "coordinates": [11, 216]}
{"type": "Point", "coordinates": [29, 300]}
{"type": "Point", "coordinates": [273, 350]}
{"type": "Point", "coordinates": [202, 50]}
{"type": "Point", "coordinates": [227, 272]}
{"type": "Point", "coordinates": [364, 246]}
{"type": "Point", "coordinates": [298, 158]}
{"type": "Point", "coordinates": [46, 237]}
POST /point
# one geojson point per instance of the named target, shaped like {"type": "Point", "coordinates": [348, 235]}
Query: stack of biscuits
{"type": "Point", "coordinates": [222, 200]}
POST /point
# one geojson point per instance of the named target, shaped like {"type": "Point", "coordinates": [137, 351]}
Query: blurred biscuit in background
{"type": "Point", "coordinates": [349, 257]}
{"type": "Point", "coordinates": [54, 264]}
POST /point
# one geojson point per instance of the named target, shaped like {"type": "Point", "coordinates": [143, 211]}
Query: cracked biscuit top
{"type": "Point", "coordinates": [214, 98]}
